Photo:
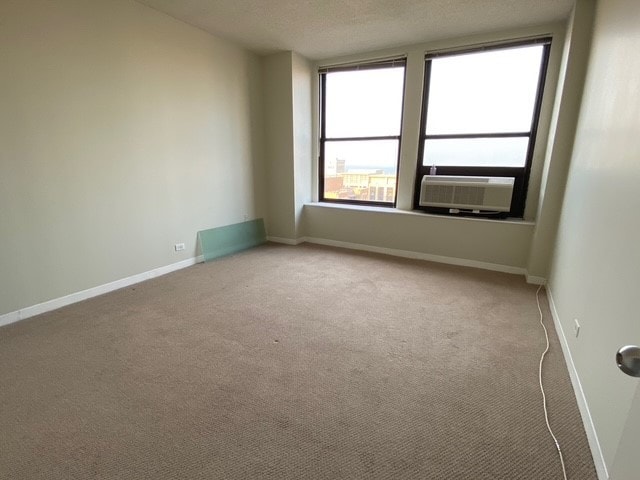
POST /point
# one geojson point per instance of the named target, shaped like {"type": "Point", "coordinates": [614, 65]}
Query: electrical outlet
{"type": "Point", "coordinates": [246, 217]}
{"type": "Point", "coordinates": [576, 327]}
{"type": "Point", "coordinates": [178, 247]}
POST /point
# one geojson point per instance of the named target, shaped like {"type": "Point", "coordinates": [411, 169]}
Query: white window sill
{"type": "Point", "coordinates": [396, 211]}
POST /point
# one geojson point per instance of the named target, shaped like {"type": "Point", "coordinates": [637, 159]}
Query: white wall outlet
{"type": "Point", "coordinates": [246, 217]}
{"type": "Point", "coordinates": [576, 327]}
{"type": "Point", "coordinates": [179, 247]}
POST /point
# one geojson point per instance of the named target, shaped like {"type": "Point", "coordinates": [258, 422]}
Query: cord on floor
{"type": "Point", "coordinates": [544, 397]}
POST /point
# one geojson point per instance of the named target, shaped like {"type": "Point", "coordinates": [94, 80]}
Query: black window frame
{"type": "Point", "coordinates": [521, 174]}
{"type": "Point", "coordinates": [371, 65]}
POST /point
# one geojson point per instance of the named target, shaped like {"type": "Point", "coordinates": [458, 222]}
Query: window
{"type": "Point", "coordinates": [480, 114]}
{"type": "Point", "coordinates": [361, 118]}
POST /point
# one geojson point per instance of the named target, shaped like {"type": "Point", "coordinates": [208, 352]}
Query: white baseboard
{"type": "Point", "coordinates": [60, 302]}
{"type": "Point", "coordinates": [583, 406]}
{"type": "Point", "coordinates": [286, 241]}
{"type": "Point", "coordinates": [418, 255]}
{"type": "Point", "coordinates": [534, 280]}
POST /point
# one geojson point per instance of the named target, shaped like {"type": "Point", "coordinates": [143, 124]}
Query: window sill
{"type": "Point", "coordinates": [396, 211]}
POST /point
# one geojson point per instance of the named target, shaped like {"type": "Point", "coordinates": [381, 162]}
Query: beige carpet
{"type": "Point", "coordinates": [290, 363]}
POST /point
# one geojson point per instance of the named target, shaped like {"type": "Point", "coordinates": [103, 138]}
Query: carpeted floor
{"type": "Point", "coordinates": [291, 363]}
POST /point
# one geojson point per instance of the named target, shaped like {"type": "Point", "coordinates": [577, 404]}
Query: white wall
{"type": "Point", "coordinates": [123, 131]}
{"type": "Point", "coordinates": [452, 239]}
{"type": "Point", "coordinates": [563, 125]}
{"type": "Point", "coordinates": [303, 74]}
{"type": "Point", "coordinates": [288, 123]}
{"type": "Point", "coordinates": [596, 266]}
{"type": "Point", "coordinates": [279, 145]}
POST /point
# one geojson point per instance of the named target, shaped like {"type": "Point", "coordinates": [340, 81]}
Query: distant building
{"type": "Point", "coordinates": [366, 185]}
{"type": "Point", "coordinates": [334, 166]}
{"type": "Point", "coordinates": [358, 178]}
{"type": "Point", "coordinates": [382, 187]}
{"type": "Point", "coordinates": [333, 183]}
{"type": "Point", "coordinates": [333, 187]}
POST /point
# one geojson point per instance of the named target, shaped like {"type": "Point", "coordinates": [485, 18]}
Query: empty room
{"type": "Point", "coordinates": [363, 239]}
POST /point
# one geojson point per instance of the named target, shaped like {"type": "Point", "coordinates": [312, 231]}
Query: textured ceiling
{"type": "Point", "coordinates": [327, 28]}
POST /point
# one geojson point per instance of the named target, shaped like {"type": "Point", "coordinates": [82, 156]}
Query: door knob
{"type": "Point", "coordinates": [628, 360]}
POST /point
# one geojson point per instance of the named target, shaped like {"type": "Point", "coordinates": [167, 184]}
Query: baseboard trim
{"type": "Point", "coordinates": [418, 255]}
{"type": "Point", "coordinates": [531, 279]}
{"type": "Point", "coordinates": [286, 241]}
{"type": "Point", "coordinates": [60, 302]}
{"type": "Point", "coordinates": [534, 280]}
{"type": "Point", "coordinates": [583, 406]}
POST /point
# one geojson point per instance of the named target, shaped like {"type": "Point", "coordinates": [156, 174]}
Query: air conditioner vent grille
{"type": "Point", "coordinates": [469, 195]}
{"type": "Point", "coordinates": [439, 194]}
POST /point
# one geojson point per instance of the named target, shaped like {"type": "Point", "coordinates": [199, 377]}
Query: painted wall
{"type": "Point", "coordinates": [288, 123]}
{"type": "Point", "coordinates": [596, 265]}
{"type": "Point", "coordinates": [279, 144]}
{"type": "Point", "coordinates": [123, 132]}
{"type": "Point", "coordinates": [561, 135]}
{"type": "Point", "coordinates": [302, 73]}
{"type": "Point", "coordinates": [413, 232]}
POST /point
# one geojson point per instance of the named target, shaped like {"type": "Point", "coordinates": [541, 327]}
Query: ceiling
{"type": "Point", "coordinates": [328, 28]}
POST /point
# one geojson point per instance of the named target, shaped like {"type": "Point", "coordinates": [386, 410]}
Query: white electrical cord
{"type": "Point", "coordinates": [544, 397]}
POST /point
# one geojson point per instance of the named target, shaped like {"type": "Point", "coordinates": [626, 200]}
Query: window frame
{"type": "Point", "coordinates": [367, 65]}
{"type": "Point", "coordinates": [521, 174]}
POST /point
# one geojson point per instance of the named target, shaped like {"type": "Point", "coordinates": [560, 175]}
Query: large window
{"type": "Point", "coordinates": [361, 118]}
{"type": "Point", "coordinates": [480, 114]}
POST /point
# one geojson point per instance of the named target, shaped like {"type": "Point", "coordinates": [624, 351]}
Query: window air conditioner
{"type": "Point", "coordinates": [473, 193]}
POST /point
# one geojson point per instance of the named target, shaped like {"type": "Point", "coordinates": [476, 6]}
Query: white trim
{"type": "Point", "coordinates": [60, 302]}
{"type": "Point", "coordinates": [534, 280]}
{"type": "Point", "coordinates": [418, 255]}
{"type": "Point", "coordinates": [286, 241]}
{"type": "Point", "coordinates": [583, 406]}
{"type": "Point", "coordinates": [531, 279]}
{"type": "Point", "coordinates": [417, 213]}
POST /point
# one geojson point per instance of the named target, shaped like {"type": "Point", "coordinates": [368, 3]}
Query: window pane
{"type": "Point", "coordinates": [361, 170]}
{"type": "Point", "coordinates": [476, 152]}
{"type": "Point", "coordinates": [484, 92]}
{"type": "Point", "coordinates": [364, 103]}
